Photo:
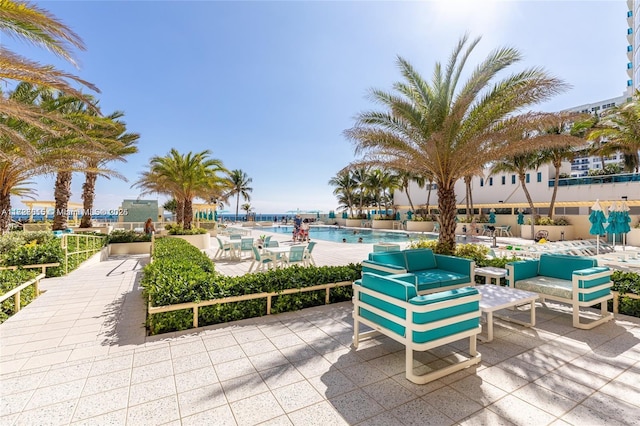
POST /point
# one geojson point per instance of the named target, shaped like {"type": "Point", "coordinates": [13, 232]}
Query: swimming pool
{"type": "Point", "coordinates": [331, 233]}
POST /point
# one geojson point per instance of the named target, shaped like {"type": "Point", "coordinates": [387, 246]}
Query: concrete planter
{"type": "Point", "coordinates": [35, 227]}
{"type": "Point", "coordinates": [354, 223]}
{"type": "Point", "coordinates": [423, 226]}
{"type": "Point", "coordinates": [381, 224]}
{"type": "Point", "coordinates": [129, 248]}
{"type": "Point", "coordinates": [633, 237]}
{"type": "Point", "coordinates": [201, 241]}
{"type": "Point", "coordinates": [555, 232]}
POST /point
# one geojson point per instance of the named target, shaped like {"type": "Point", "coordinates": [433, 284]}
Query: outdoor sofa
{"type": "Point", "coordinates": [429, 272]}
{"type": "Point", "coordinates": [392, 307]}
{"type": "Point", "coordinates": [577, 280]}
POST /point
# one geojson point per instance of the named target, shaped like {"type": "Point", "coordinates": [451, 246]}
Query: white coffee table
{"type": "Point", "coordinates": [495, 297]}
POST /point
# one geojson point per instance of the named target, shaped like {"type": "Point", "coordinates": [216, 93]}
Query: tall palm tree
{"type": "Point", "coordinates": [405, 177]}
{"type": "Point", "coordinates": [520, 164]}
{"type": "Point", "coordinates": [35, 26]}
{"type": "Point", "coordinates": [116, 144]}
{"type": "Point", "coordinates": [620, 127]}
{"type": "Point", "coordinates": [184, 177]}
{"type": "Point", "coordinates": [440, 129]}
{"type": "Point", "coordinates": [240, 182]}
{"type": "Point", "coordinates": [360, 176]}
{"type": "Point", "coordinates": [344, 188]}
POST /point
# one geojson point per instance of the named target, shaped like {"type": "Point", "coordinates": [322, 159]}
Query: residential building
{"type": "Point", "coordinates": [633, 47]}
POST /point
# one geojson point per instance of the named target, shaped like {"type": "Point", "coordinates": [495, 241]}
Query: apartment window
{"type": "Point", "coordinates": [504, 180]}
{"type": "Point", "coordinates": [629, 13]}
{"type": "Point", "coordinates": [481, 182]}
{"type": "Point", "coordinates": [629, 30]}
{"type": "Point", "coordinates": [629, 48]}
{"type": "Point", "coordinates": [526, 178]}
{"type": "Point", "coordinates": [629, 65]}
{"type": "Point", "coordinates": [539, 177]}
{"type": "Point", "coordinates": [513, 179]}
{"type": "Point", "coordinates": [629, 83]}
{"type": "Point", "coordinates": [490, 181]}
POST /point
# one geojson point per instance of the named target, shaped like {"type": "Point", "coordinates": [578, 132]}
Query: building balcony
{"type": "Point", "coordinates": [595, 180]}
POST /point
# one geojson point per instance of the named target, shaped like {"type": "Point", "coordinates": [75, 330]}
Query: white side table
{"type": "Point", "coordinates": [491, 272]}
{"type": "Point", "coordinates": [495, 298]}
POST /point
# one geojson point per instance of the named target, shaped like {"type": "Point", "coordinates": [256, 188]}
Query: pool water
{"type": "Point", "coordinates": [330, 233]}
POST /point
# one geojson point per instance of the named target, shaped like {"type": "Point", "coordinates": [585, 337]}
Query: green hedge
{"type": "Point", "coordinates": [180, 273]}
{"type": "Point", "coordinates": [10, 280]}
{"type": "Point", "coordinates": [32, 248]}
{"type": "Point", "coordinates": [122, 236]}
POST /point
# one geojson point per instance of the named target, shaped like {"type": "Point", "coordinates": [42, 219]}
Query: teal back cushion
{"type": "Point", "coordinates": [395, 258]}
{"type": "Point", "coordinates": [420, 259]}
{"type": "Point", "coordinates": [561, 266]}
{"type": "Point", "coordinates": [390, 287]}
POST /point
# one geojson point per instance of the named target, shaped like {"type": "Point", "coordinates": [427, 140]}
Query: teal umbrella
{"type": "Point", "coordinates": [397, 215]}
{"type": "Point", "coordinates": [332, 214]}
{"type": "Point", "coordinates": [210, 217]}
{"type": "Point", "coordinates": [215, 215]}
{"type": "Point", "coordinates": [409, 214]}
{"type": "Point", "coordinates": [492, 217]}
{"type": "Point", "coordinates": [614, 223]}
{"type": "Point", "coordinates": [520, 218]}
{"type": "Point", "coordinates": [344, 215]}
{"type": "Point", "coordinates": [597, 219]}
{"type": "Point", "coordinates": [624, 220]}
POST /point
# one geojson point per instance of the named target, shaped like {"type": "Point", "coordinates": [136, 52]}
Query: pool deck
{"type": "Point", "coordinates": [79, 355]}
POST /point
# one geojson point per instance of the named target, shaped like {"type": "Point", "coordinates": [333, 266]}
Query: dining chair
{"type": "Point", "coordinates": [246, 245]}
{"type": "Point", "coordinates": [224, 249]}
{"type": "Point", "coordinates": [261, 260]}
{"type": "Point", "coordinates": [307, 253]}
{"type": "Point", "coordinates": [296, 255]}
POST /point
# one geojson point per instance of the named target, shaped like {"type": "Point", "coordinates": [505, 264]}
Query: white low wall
{"type": "Point", "coordinates": [201, 241]}
{"type": "Point", "coordinates": [129, 248]}
{"type": "Point", "coordinates": [422, 226]}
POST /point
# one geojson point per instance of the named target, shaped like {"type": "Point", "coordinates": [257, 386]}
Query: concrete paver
{"type": "Point", "coordinates": [79, 355]}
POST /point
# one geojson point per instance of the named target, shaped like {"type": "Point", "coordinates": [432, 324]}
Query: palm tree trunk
{"type": "Point", "coordinates": [555, 189]}
{"type": "Point", "coordinates": [409, 198]}
{"type": "Point", "coordinates": [447, 207]}
{"type": "Point", "coordinates": [88, 196]}
{"type": "Point", "coordinates": [237, 206]}
{"type": "Point", "coordinates": [467, 186]}
{"type": "Point", "coordinates": [188, 213]}
{"type": "Point", "coordinates": [533, 213]}
{"type": "Point", "coordinates": [62, 194]}
{"type": "Point", "coordinates": [429, 195]}
{"type": "Point", "coordinates": [5, 211]}
{"type": "Point", "coordinates": [179, 211]}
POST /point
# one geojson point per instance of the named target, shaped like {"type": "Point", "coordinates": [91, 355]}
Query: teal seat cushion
{"type": "Point", "coordinates": [547, 285]}
{"type": "Point", "coordinates": [420, 259]}
{"type": "Point", "coordinates": [561, 266]}
{"type": "Point", "coordinates": [395, 258]}
{"type": "Point", "coordinates": [445, 278]}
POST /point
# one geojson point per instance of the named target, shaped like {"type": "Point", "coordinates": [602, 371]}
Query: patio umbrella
{"type": "Point", "coordinates": [332, 214]}
{"type": "Point", "coordinates": [623, 221]}
{"type": "Point", "coordinates": [397, 215]}
{"type": "Point", "coordinates": [597, 219]}
{"type": "Point", "coordinates": [520, 218]}
{"type": "Point", "coordinates": [215, 215]}
{"type": "Point", "coordinates": [614, 224]}
{"type": "Point", "coordinates": [210, 216]}
{"type": "Point", "coordinates": [492, 216]}
{"type": "Point", "coordinates": [409, 214]}
{"type": "Point", "coordinates": [344, 215]}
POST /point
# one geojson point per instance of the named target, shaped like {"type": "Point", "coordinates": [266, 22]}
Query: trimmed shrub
{"type": "Point", "coordinates": [10, 280]}
{"type": "Point", "coordinates": [180, 273]}
{"type": "Point", "coordinates": [122, 236]}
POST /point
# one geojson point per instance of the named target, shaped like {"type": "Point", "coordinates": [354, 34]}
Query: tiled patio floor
{"type": "Point", "coordinates": [78, 355]}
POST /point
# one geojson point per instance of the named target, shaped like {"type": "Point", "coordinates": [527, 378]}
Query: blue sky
{"type": "Point", "coordinates": [269, 87]}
